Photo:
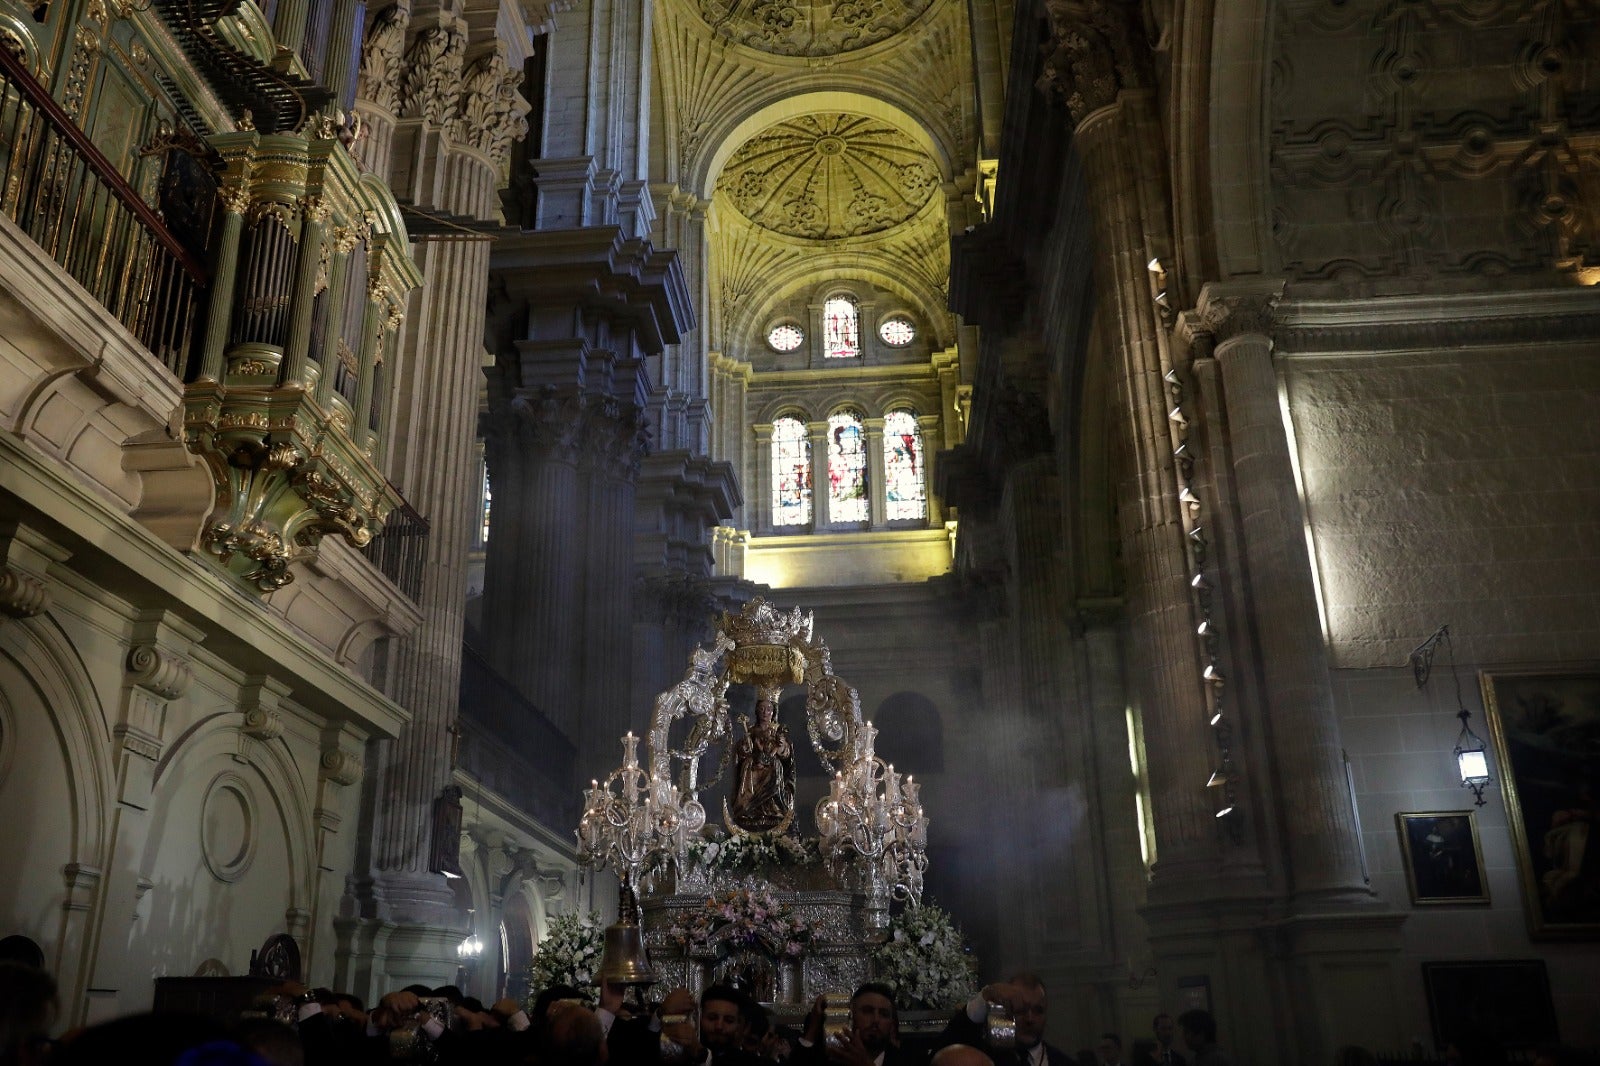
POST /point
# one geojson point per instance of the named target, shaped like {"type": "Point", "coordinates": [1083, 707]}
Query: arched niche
{"type": "Point", "coordinates": [910, 733]}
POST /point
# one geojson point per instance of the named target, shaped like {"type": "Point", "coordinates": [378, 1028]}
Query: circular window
{"type": "Point", "coordinates": [897, 332]}
{"type": "Point", "coordinates": [785, 338]}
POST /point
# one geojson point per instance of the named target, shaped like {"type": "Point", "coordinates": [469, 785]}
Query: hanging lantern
{"type": "Point", "coordinates": [1472, 761]}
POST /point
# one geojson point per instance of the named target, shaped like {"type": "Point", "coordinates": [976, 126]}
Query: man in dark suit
{"type": "Point", "coordinates": [1164, 1052]}
{"type": "Point", "coordinates": [1025, 996]}
{"type": "Point", "coordinates": [873, 1038]}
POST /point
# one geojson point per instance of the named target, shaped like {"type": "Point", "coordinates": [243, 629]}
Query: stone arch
{"type": "Point", "coordinates": [786, 407]}
{"type": "Point", "coordinates": [871, 268]}
{"type": "Point", "coordinates": [49, 707]}
{"type": "Point", "coordinates": [739, 125]}
{"type": "Point", "coordinates": [189, 768]}
{"type": "Point", "coordinates": [1235, 173]}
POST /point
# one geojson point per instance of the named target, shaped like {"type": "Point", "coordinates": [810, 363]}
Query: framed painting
{"type": "Point", "coordinates": [1546, 730]}
{"type": "Point", "coordinates": [1444, 861]}
{"type": "Point", "coordinates": [1502, 1002]}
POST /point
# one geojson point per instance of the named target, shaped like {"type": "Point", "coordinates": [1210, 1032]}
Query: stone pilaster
{"type": "Point", "coordinates": [1313, 794]}
{"type": "Point", "coordinates": [1167, 668]}
{"type": "Point", "coordinates": [441, 101]}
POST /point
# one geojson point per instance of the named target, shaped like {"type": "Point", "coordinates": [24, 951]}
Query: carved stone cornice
{"type": "Point", "coordinates": [1437, 323]}
{"type": "Point", "coordinates": [1094, 52]}
{"type": "Point", "coordinates": [378, 81]}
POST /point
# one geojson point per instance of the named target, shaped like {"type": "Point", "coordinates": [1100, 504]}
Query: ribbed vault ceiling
{"type": "Point", "coordinates": [823, 176]}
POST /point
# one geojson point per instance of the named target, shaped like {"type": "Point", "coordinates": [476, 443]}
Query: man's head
{"type": "Point", "coordinates": [722, 1018]}
{"type": "Point", "coordinates": [27, 1010]}
{"type": "Point", "coordinates": [873, 1017]}
{"type": "Point", "coordinates": [1165, 1028]}
{"type": "Point", "coordinates": [1199, 1029]}
{"type": "Point", "coordinates": [1108, 1049]}
{"type": "Point", "coordinates": [1028, 1007]}
{"type": "Point", "coordinates": [960, 1055]}
{"type": "Point", "coordinates": [572, 1035]}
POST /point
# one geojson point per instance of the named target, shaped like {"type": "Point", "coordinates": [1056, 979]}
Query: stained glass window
{"type": "Point", "coordinates": [785, 338]}
{"type": "Point", "coordinates": [897, 332]}
{"type": "Point", "coordinates": [905, 482]}
{"type": "Point", "coordinates": [841, 328]}
{"type": "Point", "coordinates": [791, 473]}
{"type": "Point", "coordinates": [847, 469]}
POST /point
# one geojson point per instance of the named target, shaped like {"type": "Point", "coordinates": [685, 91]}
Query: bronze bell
{"type": "Point", "coordinates": [624, 960]}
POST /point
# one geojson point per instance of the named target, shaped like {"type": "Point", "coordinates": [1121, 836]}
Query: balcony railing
{"type": "Point", "coordinates": [400, 549]}
{"type": "Point", "coordinates": [69, 198]}
{"type": "Point", "coordinates": [510, 747]}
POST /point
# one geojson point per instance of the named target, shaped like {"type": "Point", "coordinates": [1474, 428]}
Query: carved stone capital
{"type": "Point", "coordinates": [431, 89]}
{"type": "Point", "coordinates": [341, 767]}
{"type": "Point", "coordinates": [378, 80]}
{"type": "Point", "coordinates": [159, 672]}
{"type": "Point", "coordinates": [492, 113]}
{"type": "Point", "coordinates": [1094, 52]}
{"type": "Point", "coordinates": [1226, 312]}
{"type": "Point", "coordinates": [544, 422]}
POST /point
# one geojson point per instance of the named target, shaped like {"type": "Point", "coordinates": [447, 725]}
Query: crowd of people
{"type": "Point", "coordinates": [723, 1026]}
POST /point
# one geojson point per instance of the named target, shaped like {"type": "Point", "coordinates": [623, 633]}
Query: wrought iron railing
{"type": "Point", "coordinates": [400, 549]}
{"type": "Point", "coordinates": [69, 198]}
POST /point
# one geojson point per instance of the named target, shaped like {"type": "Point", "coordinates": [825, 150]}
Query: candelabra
{"type": "Point", "coordinates": [874, 814]}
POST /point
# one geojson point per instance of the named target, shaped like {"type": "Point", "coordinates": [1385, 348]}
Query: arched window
{"type": "Point", "coordinates": [847, 469]}
{"type": "Point", "coordinates": [841, 328]}
{"type": "Point", "coordinates": [905, 476]}
{"type": "Point", "coordinates": [791, 473]}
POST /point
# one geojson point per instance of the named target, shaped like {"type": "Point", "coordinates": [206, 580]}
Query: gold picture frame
{"type": "Point", "coordinates": [1543, 724]}
{"type": "Point", "coordinates": [1443, 857]}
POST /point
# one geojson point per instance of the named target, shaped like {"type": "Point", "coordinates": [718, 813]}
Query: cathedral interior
{"type": "Point", "coordinates": [1179, 417]}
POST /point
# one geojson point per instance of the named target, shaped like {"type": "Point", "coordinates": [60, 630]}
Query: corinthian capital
{"type": "Point", "coordinates": [492, 113]}
{"type": "Point", "coordinates": [379, 77]}
{"type": "Point", "coordinates": [432, 83]}
{"type": "Point", "coordinates": [1226, 311]}
{"type": "Point", "coordinates": [1094, 52]}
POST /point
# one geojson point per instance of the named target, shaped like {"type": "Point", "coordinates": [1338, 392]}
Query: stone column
{"type": "Point", "coordinates": [876, 489]}
{"type": "Point", "coordinates": [929, 426]}
{"type": "Point", "coordinates": [1313, 794]}
{"type": "Point", "coordinates": [534, 563]}
{"type": "Point", "coordinates": [405, 928]}
{"type": "Point", "coordinates": [617, 442]}
{"type": "Point", "coordinates": [760, 491]}
{"type": "Point", "coordinates": [821, 520]}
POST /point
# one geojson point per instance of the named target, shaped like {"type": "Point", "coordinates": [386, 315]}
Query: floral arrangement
{"type": "Point", "coordinates": [746, 918]}
{"type": "Point", "coordinates": [926, 960]}
{"type": "Point", "coordinates": [568, 954]}
{"type": "Point", "coordinates": [751, 851]}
